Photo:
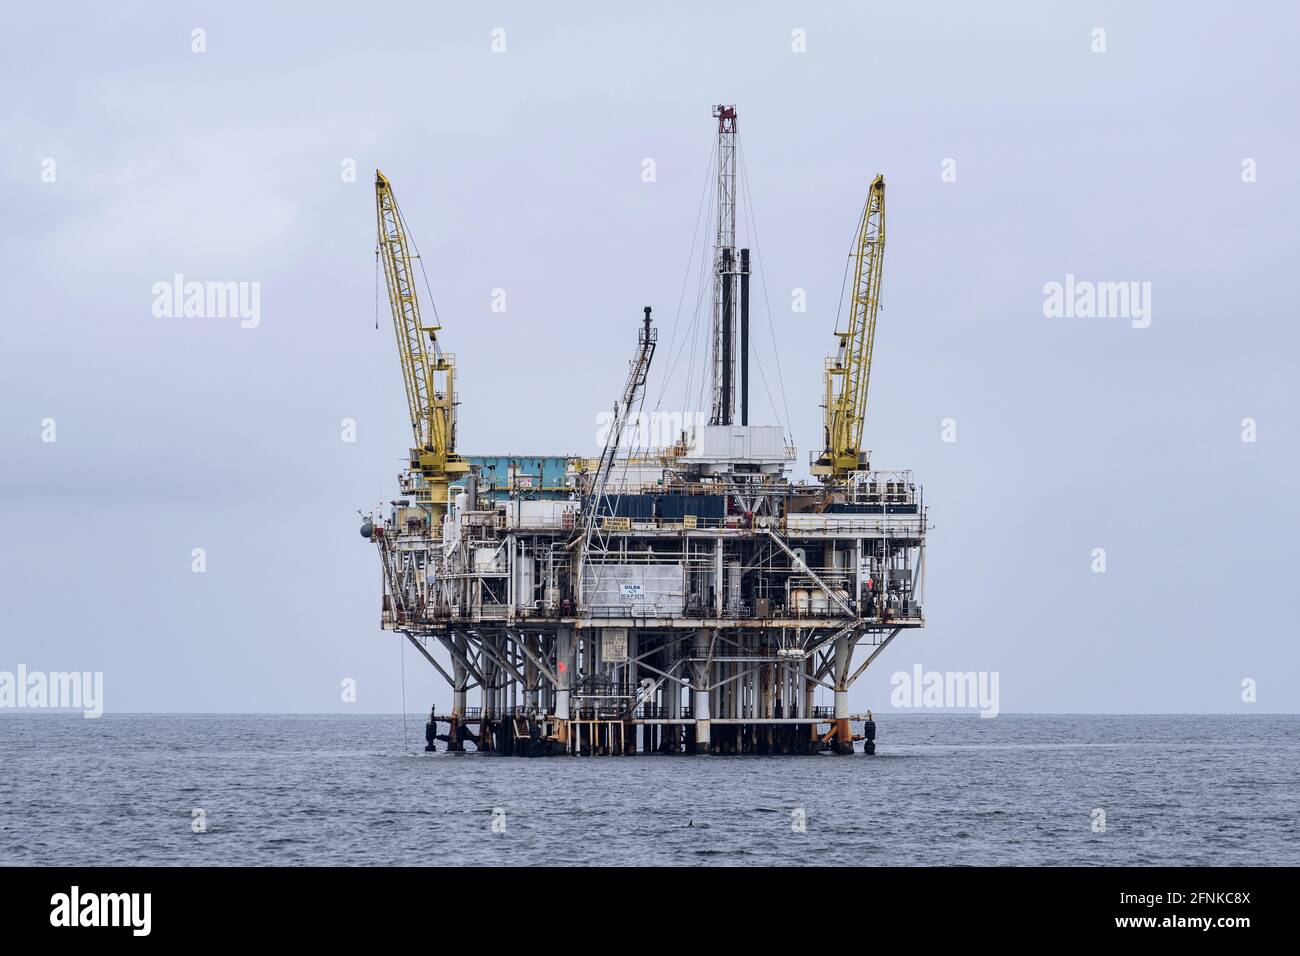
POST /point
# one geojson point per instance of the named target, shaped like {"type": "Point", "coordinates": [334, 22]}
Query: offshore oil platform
{"type": "Point", "coordinates": [685, 598]}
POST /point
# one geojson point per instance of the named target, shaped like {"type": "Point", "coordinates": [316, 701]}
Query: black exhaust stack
{"type": "Point", "coordinates": [727, 385]}
{"type": "Point", "coordinates": [744, 336]}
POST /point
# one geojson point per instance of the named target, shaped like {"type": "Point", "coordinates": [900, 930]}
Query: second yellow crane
{"type": "Point", "coordinates": [848, 374]}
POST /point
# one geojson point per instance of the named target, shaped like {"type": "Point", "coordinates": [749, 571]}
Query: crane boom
{"type": "Point", "coordinates": [848, 374]}
{"type": "Point", "coordinates": [428, 372]}
{"type": "Point", "coordinates": [637, 372]}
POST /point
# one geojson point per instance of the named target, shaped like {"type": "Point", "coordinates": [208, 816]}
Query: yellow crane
{"type": "Point", "coordinates": [849, 373]}
{"type": "Point", "coordinates": [428, 372]}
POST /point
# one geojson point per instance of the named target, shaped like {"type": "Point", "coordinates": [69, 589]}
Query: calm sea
{"type": "Point", "coordinates": [1018, 789]}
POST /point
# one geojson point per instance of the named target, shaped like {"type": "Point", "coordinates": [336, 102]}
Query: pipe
{"type": "Point", "coordinates": [564, 673]}
{"type": "Point", "coordinates": [701, 693]}
{"type": "Point", "coordinates": [843, 732]}
{"type": "Point", "coordinates": [459, 687]}
{"type": "Point", "coordinates": [744, 336]}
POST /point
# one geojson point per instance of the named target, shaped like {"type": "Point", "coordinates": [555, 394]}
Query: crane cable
{"type": "Point", "coordinates": [691, 334]}
{"type": "Point", "coordinates": [428, 289]}
{"type": "Point", "coordinates": [844, 282]}
{"type": "Point", "coordinates": [752, 222]}
{"type": "Point", "coordinates": [406, 740]}
{"type": "Point", "coordinates": [690, 257]}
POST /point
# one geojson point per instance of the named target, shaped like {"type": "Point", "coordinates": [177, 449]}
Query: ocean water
{"type": "Point", "coordinates": [1018, 789]}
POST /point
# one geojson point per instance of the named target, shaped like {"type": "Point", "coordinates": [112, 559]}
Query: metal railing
{"type": "Point", "coordinates": [605, 711]}
{"type": "Point", "coordinates": [659, 712]}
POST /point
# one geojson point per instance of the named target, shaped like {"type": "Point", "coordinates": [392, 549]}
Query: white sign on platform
{"type": "Point", "coordinates": [613, 645]}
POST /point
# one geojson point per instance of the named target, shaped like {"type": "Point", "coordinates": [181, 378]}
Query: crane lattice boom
{"type": "Point", "coordinates": [427, 372]}
{"type": "Point", "coordinates": [848, 375]}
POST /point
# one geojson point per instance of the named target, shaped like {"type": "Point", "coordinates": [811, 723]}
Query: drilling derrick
{"type": "Point", "coordinates": [724, 282]}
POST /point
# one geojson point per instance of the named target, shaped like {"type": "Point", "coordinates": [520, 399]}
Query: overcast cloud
{"type": "Point", "coordinates": [522, 171]}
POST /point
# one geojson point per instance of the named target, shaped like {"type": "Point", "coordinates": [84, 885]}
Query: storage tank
{"type": "Point", "coordinates": [524, 582]}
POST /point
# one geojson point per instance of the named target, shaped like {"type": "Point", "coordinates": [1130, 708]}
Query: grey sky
{"type": "Point", "coordinates": [522, 170]}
